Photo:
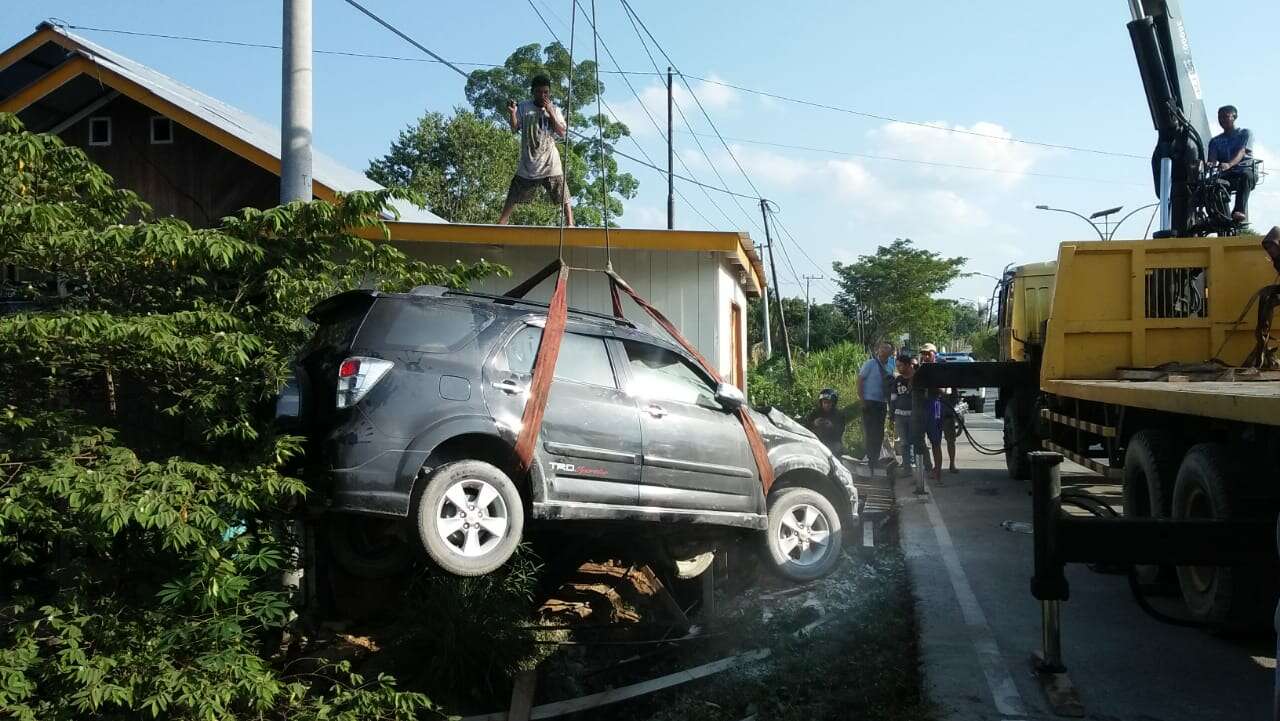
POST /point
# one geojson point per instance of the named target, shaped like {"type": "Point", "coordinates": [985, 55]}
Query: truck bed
{"type": "Point", "coordinates": [1248, 401]}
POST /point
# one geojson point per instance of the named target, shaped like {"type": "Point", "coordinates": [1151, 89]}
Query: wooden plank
{"type": "Point", "coordinates": [1095, 428]}
{"type": "Point", "coordinates": [1099, 468]}
{"type": "Point", "coordinates": [522, 696]}
{"type": "Point", "coordinates": [1251, 402]}
{"type": "Point", "coordinates": [615, 695]}
{"type": "Point", "coordinates": [664, 596]}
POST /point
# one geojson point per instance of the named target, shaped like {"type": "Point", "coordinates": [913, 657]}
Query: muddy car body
{"type": "Point", "coordinates": [411, 404]}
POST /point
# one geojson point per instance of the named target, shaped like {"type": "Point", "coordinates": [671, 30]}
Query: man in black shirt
{"type": "Point", "coordinates": [828, 421]}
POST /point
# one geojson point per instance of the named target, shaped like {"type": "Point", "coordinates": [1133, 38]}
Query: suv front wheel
{"type": "Point", "coordinates": [469, 518]}
{"type": "Point", "coordinates": [804, 539]}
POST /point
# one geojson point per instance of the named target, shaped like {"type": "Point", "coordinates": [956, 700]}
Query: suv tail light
{"type": "Point", "coordinates": [357, 376]}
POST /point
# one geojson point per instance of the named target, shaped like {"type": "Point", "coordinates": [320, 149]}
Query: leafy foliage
{"type": "Point", "coordinates": [892, 292]}
{"type": "Point", "coordinates": [462, 164]}
{"type": "Point", "coordinates": [140, 477]}
{"type": "Point", "coordinates": [835, 367]}
{"type": "Point", "coordinates": [828, 325]}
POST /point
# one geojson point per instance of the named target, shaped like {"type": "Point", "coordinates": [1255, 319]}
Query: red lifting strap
{"type": "Point", "coordinates": [544, 363]}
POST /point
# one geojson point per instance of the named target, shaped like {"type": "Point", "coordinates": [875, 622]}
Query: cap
{"type": "Point", "coordinates": [928, 348]}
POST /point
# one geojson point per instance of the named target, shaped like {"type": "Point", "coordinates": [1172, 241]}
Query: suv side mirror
{"type": "Point", "coordinates": [730, 396]}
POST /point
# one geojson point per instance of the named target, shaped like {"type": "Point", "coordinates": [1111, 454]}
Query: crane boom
{"type": "Point", "coordinates": [1174, 97]}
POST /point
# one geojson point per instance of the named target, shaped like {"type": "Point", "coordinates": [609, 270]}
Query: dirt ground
{"type": "Point", "coordinates": [846, 644]}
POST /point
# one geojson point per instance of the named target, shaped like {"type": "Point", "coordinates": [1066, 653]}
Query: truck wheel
{"type": "Point", "coordinates": [804, 538]}
{"type": "Point", "coordinates": [469, 518]}
{"type": "Point", "coordinates": [1016, 436]}
{"type": "Point", "coordinates": [1223, 596]}
{"type": "Point", "coordinates": [1150, 469]}
{"type": "Point", "coordinates": [367, 546]}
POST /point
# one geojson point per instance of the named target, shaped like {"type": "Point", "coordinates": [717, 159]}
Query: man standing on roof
{"type": "Point", "coordinates": [1231, 153]}
{"type": "Point", "coordinates": [539, 122]}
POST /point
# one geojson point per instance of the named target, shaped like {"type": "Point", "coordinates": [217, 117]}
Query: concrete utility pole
{"type": "Point", "coordinates": [764, 307]}
{"type": "Point", "coordinates": [671, 178]}
{"type": "Point", "coordinates": [808, 306]}
{"type": "Point", "coordinates": [295, 105]}
{"type": "Point", "coordinates": [777, 295]}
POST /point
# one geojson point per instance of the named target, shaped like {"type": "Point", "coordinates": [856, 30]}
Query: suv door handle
{"type": "Point", "coordinates": [655, 410]}
{"type": "Point", "coordinates": [509, 387]}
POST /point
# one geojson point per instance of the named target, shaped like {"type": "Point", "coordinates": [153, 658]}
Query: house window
{"type": "Point", "coordinates": [161, 130]}
{"type": "Point", "coordinates": [99, 131]}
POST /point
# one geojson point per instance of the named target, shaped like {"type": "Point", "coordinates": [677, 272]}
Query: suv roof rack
{"type": "Point", "coordinates": [505, 300]}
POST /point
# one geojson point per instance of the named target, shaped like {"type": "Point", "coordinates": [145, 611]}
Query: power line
{"type": "Point", "coordinates": [406, 38]}
{"type": "Point", "coordinates": [631, 11]}
{"type": "Point", "coordinates": [917, 123]}
{"type": "Point", "coordinates": [680, 111]}
{"type": "Point", "coordinates": [618, 71]}
{"type": "Point", "coordinates": [931, 163]}
{"type": "Point", "coordinates": [639, 101]}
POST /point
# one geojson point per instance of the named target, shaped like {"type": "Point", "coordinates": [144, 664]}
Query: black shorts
{"type": "Point", "coordinates": [523, 190]}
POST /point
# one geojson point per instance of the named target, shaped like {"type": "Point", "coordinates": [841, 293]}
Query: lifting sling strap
{"type": "Point", "coordinates": [544, 362]}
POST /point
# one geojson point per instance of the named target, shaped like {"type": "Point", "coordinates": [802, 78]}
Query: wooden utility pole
{"type": "Point", "coordinates": [808, 305]}
{"type": "Point", "coordinates": [773, 267]}
{"type": "Point", "coordinates": [764, 308]}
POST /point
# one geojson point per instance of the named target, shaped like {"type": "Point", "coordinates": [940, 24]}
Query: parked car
{"type": "Point", "coordinates": [411, 403]}
{"type": "Point", "coordinates": [974, 398]}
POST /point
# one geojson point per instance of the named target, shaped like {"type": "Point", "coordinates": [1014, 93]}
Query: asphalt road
{"type": "Point", "coordinates": [979, 623]}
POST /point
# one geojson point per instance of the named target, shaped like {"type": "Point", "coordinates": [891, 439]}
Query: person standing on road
{"type": "Point", "coordinates": [933, 417]}
{"type": "Point", "coordinates": [539, 122]}
{"type": "Point", "coordinates": [900, 401]}
{"type": "Point", "coordinates": [875, 380]}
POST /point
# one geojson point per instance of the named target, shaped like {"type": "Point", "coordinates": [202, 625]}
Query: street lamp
{"type": "Point", "coordinates": [1106, 216]}
{"type": "Point", "coordinates": [1093, 225]}
{"type": "Point", "coordinates": [1112, 235]}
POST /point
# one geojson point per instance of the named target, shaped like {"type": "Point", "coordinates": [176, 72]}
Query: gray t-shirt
{"type": "Point", "coordinates": [539, 157]}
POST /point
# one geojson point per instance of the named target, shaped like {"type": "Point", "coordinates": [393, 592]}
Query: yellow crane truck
{"type": "Point", "coordinates": [1139, 350]}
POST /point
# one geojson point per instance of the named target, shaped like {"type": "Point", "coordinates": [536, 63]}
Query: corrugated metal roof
{"type": "Point", "coordinates": [251, 130]}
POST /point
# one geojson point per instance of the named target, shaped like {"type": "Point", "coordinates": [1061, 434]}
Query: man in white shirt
{"type": "Point", "coordinates": [539, 123]}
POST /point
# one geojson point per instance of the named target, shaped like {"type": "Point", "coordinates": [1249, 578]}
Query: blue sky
{"type": "Point", "coordinates": [1060, 74]}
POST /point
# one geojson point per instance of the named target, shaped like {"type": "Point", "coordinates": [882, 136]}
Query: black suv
{"type": "Point", "coordinates": [411, 403]}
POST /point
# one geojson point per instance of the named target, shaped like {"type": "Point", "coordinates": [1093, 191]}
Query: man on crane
{"type": "Point", "coordinates": [1231, 153]}
{"type": "Point", "coordinates": [539, 122]}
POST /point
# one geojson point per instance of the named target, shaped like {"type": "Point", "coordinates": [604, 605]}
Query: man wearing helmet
{"type": "Point", "coordinates": [828, 420]}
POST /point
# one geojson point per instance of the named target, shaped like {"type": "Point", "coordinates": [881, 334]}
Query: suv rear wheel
{"type": "Point", "coordinates": [804, 539]}
{"type": "Point", "coordinates": [469, 517]}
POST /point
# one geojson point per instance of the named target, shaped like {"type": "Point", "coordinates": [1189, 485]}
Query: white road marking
{"type": "Point", "coordinates": [1003, 690]}
{"type": "Point", "coordinates": [868, 535]}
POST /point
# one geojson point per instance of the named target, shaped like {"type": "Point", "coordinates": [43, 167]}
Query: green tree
{"type": "Point", "coordinates": [891, 293]}
{"type": "Point", "coordinates": [461, 164]}
{"type": "Point", "coordinates": [140, 474]}
{"type": "Point", "coordinates": [828, 324]}
{"type": "Point", "coordinates": [593, 177]}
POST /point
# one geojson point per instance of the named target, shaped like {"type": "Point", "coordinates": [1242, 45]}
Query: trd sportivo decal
{"type": "Point", "coordinates": [577, 470]}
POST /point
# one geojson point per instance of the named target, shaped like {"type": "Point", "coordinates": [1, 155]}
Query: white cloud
{"type": "Point", "coordinates": [975, 146]}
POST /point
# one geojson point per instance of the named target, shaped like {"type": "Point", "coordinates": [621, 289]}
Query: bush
{"type": "Point", "coordinates": [141, 478]}
{"type": "Point", "coordinates": [836, 367]}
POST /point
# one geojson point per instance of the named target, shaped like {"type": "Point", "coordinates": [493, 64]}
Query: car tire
{"type": "Point", "coordinates": [1224, 597]}
{"type": "Point", "coordinates": [804, 539]}
{"type": "Point", "coordinates": [1150, 470]}
{"type": "Point", "coordinates": [469, 517]}
{"type": "Point", "coordinates": [367, 546]}
{"type": "Point", "coordinates": [694, 566]}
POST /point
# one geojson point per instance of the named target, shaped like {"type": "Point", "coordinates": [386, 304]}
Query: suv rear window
{"type": "Point", "coordinates": [582, 359]}
{"type": "Point", "coordinates": [423, 325]}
